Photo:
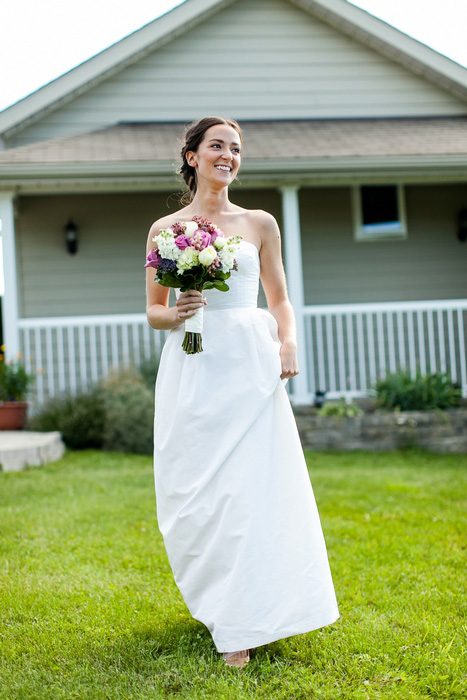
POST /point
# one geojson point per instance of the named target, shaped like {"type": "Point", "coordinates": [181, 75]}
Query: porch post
{"type": "Point", "coordinates": [294, 274]}
{"type": "Point", "coordinates": [10, 298]}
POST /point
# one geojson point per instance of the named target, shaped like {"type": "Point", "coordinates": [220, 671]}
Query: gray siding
{"type": "Point", "coordinates": [430, 264]}
{"type": "Point", "coordinates": [106, 275]}
{"type": "Point", "coordinates": [253, 60]}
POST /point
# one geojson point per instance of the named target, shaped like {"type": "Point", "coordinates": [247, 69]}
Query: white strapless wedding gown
{"type": "Point", "coordinates": [234, 501]}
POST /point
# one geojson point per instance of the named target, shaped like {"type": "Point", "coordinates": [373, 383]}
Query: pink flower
{"type": "Point", "coordinates": [215, 233]}
{"type": "Point", "coordinates": [200, 239]}
{"type": "Point", "coordinates": [154, 259]}
{"type": "Point", "coordinates": [182, 242]}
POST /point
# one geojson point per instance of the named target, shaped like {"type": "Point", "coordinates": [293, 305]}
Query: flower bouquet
{"type": "Point", "coordinates": [193, 255]}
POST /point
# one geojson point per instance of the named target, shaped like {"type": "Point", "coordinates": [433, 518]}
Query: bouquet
{"type": "Point", "coordinates": [193, 255]}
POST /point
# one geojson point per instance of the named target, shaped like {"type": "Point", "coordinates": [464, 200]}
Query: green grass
{"type": "Point", "coordinates": [89, 608]}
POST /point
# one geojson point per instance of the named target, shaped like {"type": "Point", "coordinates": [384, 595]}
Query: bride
{"type": "Point", "coordinates": [235, 504]}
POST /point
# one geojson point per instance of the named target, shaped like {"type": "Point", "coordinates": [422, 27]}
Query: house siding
{"type": "Point", "coordinates": [106, 275]}
{"type": "Point", "coordinates": [429, 264]}
{"type": "Point", "coordinates": [252, 60]}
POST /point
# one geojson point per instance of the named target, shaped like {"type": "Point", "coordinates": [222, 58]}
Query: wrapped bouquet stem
{"type": "Point", "coordinates": [192, 342]}
{"type": "Point", "coordinates": [193, 255]}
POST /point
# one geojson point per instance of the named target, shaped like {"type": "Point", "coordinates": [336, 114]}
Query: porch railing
{"type": "Point", "coordinates": [348, 346]}
{"type": "Point", "coordinates": [69, 354]}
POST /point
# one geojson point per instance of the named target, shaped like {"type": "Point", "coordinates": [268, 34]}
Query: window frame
{"type": "Point", "coordinates": [378, 232]}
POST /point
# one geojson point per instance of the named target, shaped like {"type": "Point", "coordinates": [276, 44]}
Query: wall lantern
{"type": "Point", "coordinates": [462, 225]}
{"type": "Point", "coordinates": [71, 237]}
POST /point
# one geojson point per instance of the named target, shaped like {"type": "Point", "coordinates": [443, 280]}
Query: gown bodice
{"type": "Point", "coordinates": [243, 283]}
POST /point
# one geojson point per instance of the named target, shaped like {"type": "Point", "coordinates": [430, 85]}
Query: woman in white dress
{"type": "Point", "coordinates": [234, 501]}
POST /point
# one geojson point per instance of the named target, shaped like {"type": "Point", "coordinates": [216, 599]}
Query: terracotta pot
{"type": "Point", "coordinates": [13, 415]}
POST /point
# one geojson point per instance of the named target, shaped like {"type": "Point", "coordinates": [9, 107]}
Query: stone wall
{"type": "Point", "coordinates": [437, 431]}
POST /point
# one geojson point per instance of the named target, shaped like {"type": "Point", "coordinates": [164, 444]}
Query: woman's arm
{"type": "Point", "coordinates": [274, 284]}
{"type": "Point", "coordinates": [160, 315]}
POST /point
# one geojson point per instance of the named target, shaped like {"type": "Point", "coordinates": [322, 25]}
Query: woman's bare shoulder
{"type": "Point", "coordinates": [262, 219]}
{"type": "Point", "coordinates": [165, 222]}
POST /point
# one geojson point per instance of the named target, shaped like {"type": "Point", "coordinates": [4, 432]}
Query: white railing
{"type": "Point", "coordinates": [68, 354]}
{"type": "Point", "coordinates": [350, 346]}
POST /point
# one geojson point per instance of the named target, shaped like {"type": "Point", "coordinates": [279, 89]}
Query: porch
{"type": "Point", "coordinates": [347, 346]}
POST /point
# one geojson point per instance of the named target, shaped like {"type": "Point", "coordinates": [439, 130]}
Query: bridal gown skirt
{"type": "Point", "coordinates": [235, 504]}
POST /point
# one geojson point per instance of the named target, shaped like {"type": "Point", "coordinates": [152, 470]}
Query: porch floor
{"type": "Point", "coordinates": [20, 449]}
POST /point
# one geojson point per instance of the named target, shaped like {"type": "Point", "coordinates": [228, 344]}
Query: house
{"type": "Point", "coordinates": [355, 139]}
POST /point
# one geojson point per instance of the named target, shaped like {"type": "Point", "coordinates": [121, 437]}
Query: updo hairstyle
{"type": "Point", "coordinates": [193, 137]}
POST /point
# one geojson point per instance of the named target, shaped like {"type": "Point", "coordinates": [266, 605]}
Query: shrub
{"type": "Point", "coordinates": [339, 409]}
{"type": "Point", "coordinates": [398, 391]}
{"type": "Point", "coordinates": [148, 370]}
{"type": "Point", "coordinates": [129, 413]}
{"type": "Point", "coordinates": [80, 419]}
{"type": "Point", "coordinates": [117, 414]}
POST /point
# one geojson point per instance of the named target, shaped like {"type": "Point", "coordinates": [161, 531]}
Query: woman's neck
{"type": "Point", "coordinates": [208, 202]}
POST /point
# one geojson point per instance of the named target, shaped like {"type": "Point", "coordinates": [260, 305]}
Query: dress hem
{"type": "Point", "coordinates": [259, 640]}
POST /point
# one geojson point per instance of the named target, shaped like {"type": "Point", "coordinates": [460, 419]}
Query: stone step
{"type": "Point", "coordinates": [21, 448]}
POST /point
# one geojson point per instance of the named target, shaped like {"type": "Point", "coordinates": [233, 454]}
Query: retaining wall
{"type": "Point", "coordinates": [437, 431]}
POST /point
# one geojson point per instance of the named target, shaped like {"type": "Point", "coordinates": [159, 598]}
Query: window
{"type": "Point", "coordinates": [379, 212]}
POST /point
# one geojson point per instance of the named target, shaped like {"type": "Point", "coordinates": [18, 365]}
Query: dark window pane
{"type": "Point", "coordinates": [379, 204]}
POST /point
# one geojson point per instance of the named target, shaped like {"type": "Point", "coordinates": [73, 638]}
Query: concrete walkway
{"type": "Point", "coordinates": [20, 449]}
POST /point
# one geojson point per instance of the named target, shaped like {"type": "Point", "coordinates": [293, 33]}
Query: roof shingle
{"type": "Point", "coordinates": [263, 140]}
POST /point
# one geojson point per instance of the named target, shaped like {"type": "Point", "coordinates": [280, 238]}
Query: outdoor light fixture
{"type": "Point", "coordinates": [71, 237]}
{"type": "Point", "coordinates": [462, 225]}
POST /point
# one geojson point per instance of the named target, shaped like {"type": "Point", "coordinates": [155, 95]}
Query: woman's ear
{"type": "Point", "coordinates": [191, 158]}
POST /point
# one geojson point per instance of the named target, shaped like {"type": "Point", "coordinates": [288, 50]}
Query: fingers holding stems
{"type": "Point", "coordinates": [188, 303]}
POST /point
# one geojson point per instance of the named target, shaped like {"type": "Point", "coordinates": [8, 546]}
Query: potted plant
{"type": "Point", "coordinates": [14, 383]}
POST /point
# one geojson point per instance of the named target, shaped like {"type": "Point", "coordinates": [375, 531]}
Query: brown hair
{"type": "Point", "coordinates": [193, 137]}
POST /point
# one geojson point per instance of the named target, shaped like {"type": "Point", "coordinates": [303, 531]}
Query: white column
{"type": "Point", "coordinates": [294, 274]}
{"type": "Point", "coordinates": [10, 298]}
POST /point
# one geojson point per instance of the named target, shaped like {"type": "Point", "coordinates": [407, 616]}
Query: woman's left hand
{"type": "Point", "coordinates": [289, 360]}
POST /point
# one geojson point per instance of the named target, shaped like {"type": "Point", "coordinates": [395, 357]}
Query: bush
{"type": "Point", "coordinates": [339, 409]}
{"type": "Point", "coordinates": [401, 392]}
{"type": "Point", "coordinates": [117, 414]}
{"type": "Point", "coordinates": [148, 370]}
{"type": "Point", "coordinates": [129, 413]}
{"type": "Point", "coordinates": [80, 419]}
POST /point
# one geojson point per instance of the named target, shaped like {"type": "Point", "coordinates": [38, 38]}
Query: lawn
{"type": "Point", "coordinates": [89, 608]}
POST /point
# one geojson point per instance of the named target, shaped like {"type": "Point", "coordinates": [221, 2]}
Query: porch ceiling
{"type": "Point", "coordinates": [145, 154]}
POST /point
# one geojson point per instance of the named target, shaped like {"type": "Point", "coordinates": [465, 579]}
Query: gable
{"type": "Point", "coordinates": [252, 60]}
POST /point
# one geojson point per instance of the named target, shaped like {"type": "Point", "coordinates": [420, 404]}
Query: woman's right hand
{"type": "Point", "coordinates": [188, 304]}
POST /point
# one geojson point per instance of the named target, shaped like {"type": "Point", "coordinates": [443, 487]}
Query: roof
{"type": "Point", "coordinates": [271, 148]}
{"type": "Point", "coordinates": [339, 14]}
{"type": "Point", "coordinates": [263, 140]}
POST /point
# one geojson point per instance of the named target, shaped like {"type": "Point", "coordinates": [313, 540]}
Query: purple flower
{"type": "Point", "coordinates": [182, 242]}
{"type": "Point", "coordinates": [200, 239]}
{"type": "Point", "coordinates": [167, 265]}
{"type": "Point", "coordinates": [154, 259]}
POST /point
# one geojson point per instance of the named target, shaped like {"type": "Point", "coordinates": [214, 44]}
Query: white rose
{"type": "Point", "coordinates": [219, 242]}
{"type": "Point", "coordinates": [208, 255]}
{"type": "Point", "coordinates": [190, 228]}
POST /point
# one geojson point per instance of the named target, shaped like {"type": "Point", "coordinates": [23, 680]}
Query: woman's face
{"type": "Point", "coordinates": [218, 156]}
